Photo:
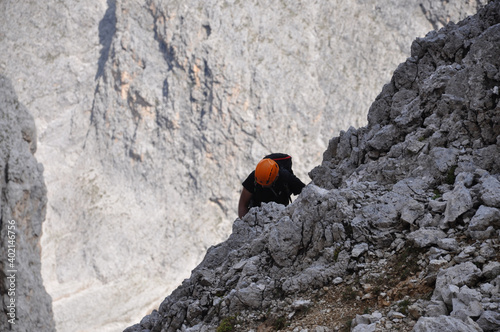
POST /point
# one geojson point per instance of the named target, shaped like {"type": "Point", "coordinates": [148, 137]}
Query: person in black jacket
{"type": "Point", "coordinates": [269, 183]}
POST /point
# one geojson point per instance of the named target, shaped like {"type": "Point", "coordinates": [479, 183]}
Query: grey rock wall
{"type": "Point", "coordinates": [412, 186]}
{"type": "Point", "coordinates": [26, 306]}
{"type": "Point", "coordinates": [149, 115]}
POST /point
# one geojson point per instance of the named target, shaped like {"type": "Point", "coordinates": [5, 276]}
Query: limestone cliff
{"type": "Point", "coordinates": [150, 113]}
{"type": "Point", "coordinates": [400, 228]}
{"type": "Point", "coordinates": [26, 306]}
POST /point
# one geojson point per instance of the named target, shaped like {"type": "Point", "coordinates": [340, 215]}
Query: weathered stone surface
{"type": "Point", "coordinates": [491, 270]}
{"type": "Point", "coordinates": [485, 217]}
{"type": "Point", "coordinates": [359, 249]}
{"type": "Point", "coordinates": [161, 108]}
{"type": "Point", "coordinates": [375, 187]}
{"type": "Point", "coordinates": [463, 274]}
{"type": "Point", "coordinates": [365, 328]}
{"type": "Point", "coordinates": [285, 241]}
{"type": "Point", "coordinates": [155, 111]}
{"type": "Point", "coordinates": [490, 193]}
{"type": "Point", "coordinates": [23, 200]}
{"type": "Point", "coordinates": [459, 202]}
{"type": "Point", "coordinates": [436, 308]}
{"type": "Point", "coordinates": [426, 237]}
{"type": "Point", "coordinates": [467, 304]}
{"type": "Point", "coordinates": [484, 223]}
{"type": "Point", "coordinates": [489, 321]}
{"type": "Point", "coordinates": [370, 199]}
{"type": "Point", "coordinates": [448, 244]}
{"type": "Point", "coordinates": [445, 324]}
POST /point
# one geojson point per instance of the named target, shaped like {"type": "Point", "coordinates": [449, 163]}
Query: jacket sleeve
{"type": "Point", "coordinates": [295, 184]}
{"type": "Point", "coordinates": [249, 183]}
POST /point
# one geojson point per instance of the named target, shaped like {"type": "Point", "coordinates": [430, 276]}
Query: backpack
{"type": "Point", "coordinates": [282, 159]}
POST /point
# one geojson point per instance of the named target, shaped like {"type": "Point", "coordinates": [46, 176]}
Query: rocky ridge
{"type": "Point", "coordinates": [399, 229]}
{"type": "Point", "coordinates": [141, 107]}
{"type": "Point", "coordinates": [23, 200]}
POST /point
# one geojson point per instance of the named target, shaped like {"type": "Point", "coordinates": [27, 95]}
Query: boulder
{"type": "Point", "coordinates": [489, 321]}
{"type": "Point", "coordinates": [436, 308]}
{"type": "Point", "coordinates": [491, 270]}
{"type": "Point", "coordinates": [359, 249]}
{"type": "Point", "coordinates": [425, 237]}
{"type": "Point", "coordinates": [467, 303]}
{"type": "Point", "coordinates": [448, 244]}
{"type": "Point", "coordinates": [490, 191]}
{"type": "Point", "coordinates": [449, 280]}
{"type": "Point", "coordinates": [459, 201]}
{"type": "Point", "coordinates": [285, 241]}
{"type": "Point", "coordinates": [485, 217]}
{"type": "Point", "coordinates": [445, 324]}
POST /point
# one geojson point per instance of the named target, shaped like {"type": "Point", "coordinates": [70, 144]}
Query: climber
{"type": "Point", "coordinates": [271, 181]}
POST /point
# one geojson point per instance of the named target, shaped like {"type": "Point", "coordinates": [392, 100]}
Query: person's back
{"type": "Point", "coordinates": [283, 160]}
{"type": "Point", "coordinates": [269, 183]}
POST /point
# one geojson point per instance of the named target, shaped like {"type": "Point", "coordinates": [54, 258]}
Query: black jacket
{"type": "Point", "coordinates": [285, 185]}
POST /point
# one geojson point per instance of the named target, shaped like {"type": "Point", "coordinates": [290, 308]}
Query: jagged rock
{"type": "Point", "coordinates": [375, 188]}
{"type": "Point", "coordinates": [444, 158]}
{"type": "Point", "coordinates": [337, 281]}
{"type": "Point", "coordinates": [490, 193]}
{"type": "Point", "coordinates": [467, 304]}
{"type": "Point", "coordinates": [412, 211]}
{"type": "Point", "coordinates": [359, 249]}
{"type": "Point", "coordinates": [436, 308]}
{"type": "Point", "coordinates": [164, 95]}
{"type": "Point", "coordinates": [149, 321]}
{"type": "Point", "coordinates": [437, 206]}
{"type": "Point", "coordinates": [23, 200]}
{"type": "Point", "coordinates": [445, 324]}
{"type": "Point", "coordinates": [448, 244]}
{"type": "Point", "coordinates": [322, 329]}
{"type": "Point", "coordinates": [250, 296]}
{"type": "Point", "coordinates": [465, 255]}
{"type": "Point", "coordinates": [365, 328]}
{"type": "Point", "coordinates": [284, 241]}
{"type": "Point", "coordinates": [459, 202]}
{"type": "Point", "coordinates": [484, 222]}
{"type": "Point", "coordinates": [425, 237]}
{"type": "Point", "coordinates": [301, 304]}
{"type": "Point", "coordinates": [375, 222]}
{"type": "Point", "coordinates": [491, 270]}
{"type": "Point", "coordinates": [156, 111]}
{"type": "Point", "coordinates": [437, 253]}
{"type": "Point", "coordinates": [487, 250]}
{"type": "Point", "coordinates": [449, 280]}
{"type": "Point", "coordinates": [435, 265]}
{"type": "Point", "coordinates": [384, 138]}
{"type": "Point", "coordinates": [366, 322]}
{"type": "Point", "coordinates": [489, 321]}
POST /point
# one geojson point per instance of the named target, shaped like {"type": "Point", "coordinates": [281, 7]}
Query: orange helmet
{"type": "Point", "coordinates": [266, 172]}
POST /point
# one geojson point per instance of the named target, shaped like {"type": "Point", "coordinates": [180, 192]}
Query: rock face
{"type": "Point", "coordinates": [23, 199]}
{"type": "Point", "coordinates": [404, 204]}
{"type": "Point", "coordinates": [150, 114]}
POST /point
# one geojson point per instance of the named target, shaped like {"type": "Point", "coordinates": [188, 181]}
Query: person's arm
{"type": "Point", "coordinates": [297, 186]}
{"type": "Point", "coordinates": [244, 202]}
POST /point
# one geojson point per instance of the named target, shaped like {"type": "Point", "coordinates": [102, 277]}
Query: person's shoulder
{"type": "Point", "coordinates": [250, 177]}
{"type": "Point", "coordinates": [290, 177]}
{"type": "Point", "coordinates": [285, 174]}
{"type": "Point", "coordinates": [249, 182]}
